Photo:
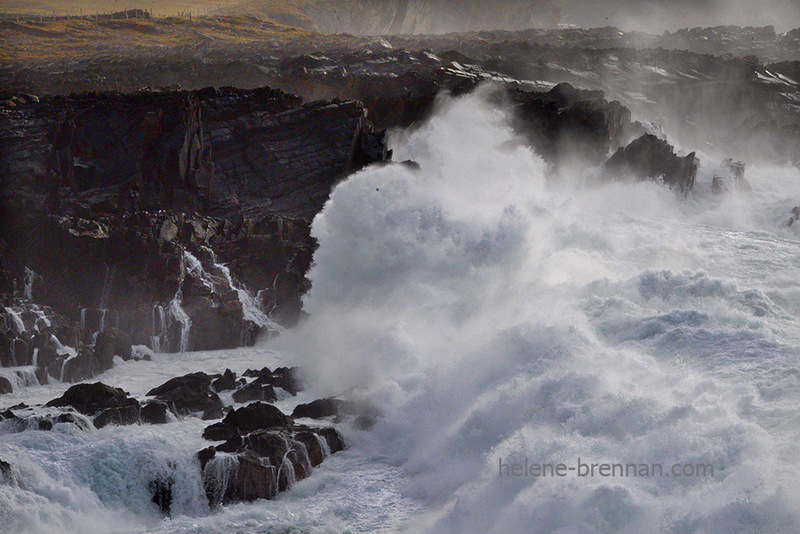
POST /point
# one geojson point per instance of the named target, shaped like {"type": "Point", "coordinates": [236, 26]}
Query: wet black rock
{"type": "Point", "coordinates": [5, 386]}
{"type": "Point", "coordinates": [190, 394]}
{"type": "Point", "coordinates": [266, 453]}
{"type": "Point", "coordinates": [205, 455]}
{"type": "Point", "coordinates": [154, 413]}
{"type": "Point", "coordinates": [255, 392]}
{"type": "Point", "coordinates": [321, 408]}
{"type": "Point", "coordinates": [83, 366]}
{"type": "Point", "coordinates": [112, 342]}
{"type": "Point", "coordinates": [256, 416]}
{"type": "Point", "coordinates": [108, 405]}
{"type": "Point", "coordinates": [226, 382]}
{"type": "Point", "coordinates": [286, 378]}
{"type": "Point", "coordinates": [127, 415]}
{"type": "Point", "coordinates": [652, 158]}
{"type": "Point", "coordinates": [566, 123]}
{"type": "Point", "coordinates": [6, 473]}
{"type": "Point", "coordinates": [128, 182]}
{"type": "Point", "coordinates": [161, 491]}
{"type": "Point", "coordinates": [90, 399]}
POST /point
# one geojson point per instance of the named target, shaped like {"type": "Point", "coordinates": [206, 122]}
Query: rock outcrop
{"type": "Point", "coordinates": [259, 451]}
{"type": "Point", "coordinates": [21, 418]}
{"type": "Point", "coordinates": [729, 177]}
{"type": "Point", "coordinates": [108, 405]}
{"type": "Point", "coordinates": [263, 453]}
{"type": "Point", "coordinates": [652, 158]}
{"type": "Point", "coordinates": [566, 124]}
{"type": "Point", "coordinates": [105, 404]}
{"type": "Point", "coordinates": [188, 395]}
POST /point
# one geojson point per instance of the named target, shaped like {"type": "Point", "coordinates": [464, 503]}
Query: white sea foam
{"type": "Point", "coordinates": [496, 316]}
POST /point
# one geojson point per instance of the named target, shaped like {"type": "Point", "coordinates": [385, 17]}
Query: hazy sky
{"type": "Point", "coordinates": [658, 15]}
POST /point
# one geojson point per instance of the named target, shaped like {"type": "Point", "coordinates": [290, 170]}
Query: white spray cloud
{"type": "Point", "coordinates": [494, 316]}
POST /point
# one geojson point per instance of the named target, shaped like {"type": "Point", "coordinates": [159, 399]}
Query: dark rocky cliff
{"type": "Point", "coordinates": [180, 218]}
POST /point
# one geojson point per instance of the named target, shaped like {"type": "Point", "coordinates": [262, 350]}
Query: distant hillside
{"type": "Point", "coordinates": [370, 17]}
{"type": "Point", "coordinates": [405, 16]}
{"type": "Point", "coordinates": [90, 7]}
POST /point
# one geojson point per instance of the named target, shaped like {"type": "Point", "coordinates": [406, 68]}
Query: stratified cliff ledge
{"type": "Point", "coordinates": [151, 213]}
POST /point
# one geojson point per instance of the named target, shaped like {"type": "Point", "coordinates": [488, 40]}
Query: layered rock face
{"type": "Point", "coordinates": [651, 158]}
{"type": "Point", "coordinates": [181, 219]}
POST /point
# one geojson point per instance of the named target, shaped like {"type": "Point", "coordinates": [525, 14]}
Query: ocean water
{"type": "Point", "coordinates": [495, 318]}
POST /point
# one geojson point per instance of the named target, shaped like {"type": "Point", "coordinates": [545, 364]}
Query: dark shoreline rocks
{"type": "Point", "coordinates": [259, 450]}
{"type": "Point", "coordinates": [264, 453]}
{"type": "Point", "coordinates": [652, 158]}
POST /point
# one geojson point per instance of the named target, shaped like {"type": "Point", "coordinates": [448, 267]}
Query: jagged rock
{"type": "Point", "coordinates": [651, 158]}
{"type": "Point", "coordinates": [255, 392]}
{"type": "Point", "coordinates": [253, 480]}
{"type": "Point", "coordinates": [205, 455]}
{"type": "Point", "coordinates": [243, 171]}
{"type": "Point", "coordinates": [49, 362]}
{"type": "Point", "coordinates": [286, 378]}
{"type": "Point", "coordinates": [250, 418]}
{"type": "Point", "coordinates": [199, 381]}
{"type": "Point", "coordinates": [90, 399]}
{"type": "Point", "coordinates": [112, 342]}
{"type": "Point", "coordinates": [319, 409]}
{"type": "Point", "coordinates": [256, 416]}
{"type": "Point", "coordinates": [332, 437]}
{"type": "Point", "coordinates": [82, 367]}
{"type": "Point", "coordinates": [127, 415]}
{"type": "Point", "coordinates": [270, 453]}
{"type": "Point", "coordinates": [73, 419]}
{"type": "Point", "coordinates": [107, 404]}
{"type": "Point", "coordinates": [314, 449]}
{"type": "Point", "coordinates": [5, 386]}
{"type": "Point", "coordinates": [6, 473]}
{"type": "Point", "coordinates": [190, 394]}
{"type": "Point", "coordinates": [155, 413]}
{"type": "Point", "coordinates": [233, 444]}
{"type": "Point", "coordinates": [22, 352]}
{"type": "Point", "coordinates": [729, 177]}
{"type": "Point", "coordinates": [226, 382]}
{"type": "Point", "coordinates": [264, 462]}
{"type": "Point", "coordinates": [567, 123]}
{"type": "Point", "coordinates": [220, 432]}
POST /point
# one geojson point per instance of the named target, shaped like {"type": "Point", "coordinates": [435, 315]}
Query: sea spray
{"type": "Point", "coordinates": [497, 317]}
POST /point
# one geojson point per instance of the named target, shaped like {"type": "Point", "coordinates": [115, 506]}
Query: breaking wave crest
{"type": "Point", "coordinates": [495, 317]}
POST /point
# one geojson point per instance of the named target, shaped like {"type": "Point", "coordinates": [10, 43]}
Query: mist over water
{"type": "Point", "coordinates": [493, 315]}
